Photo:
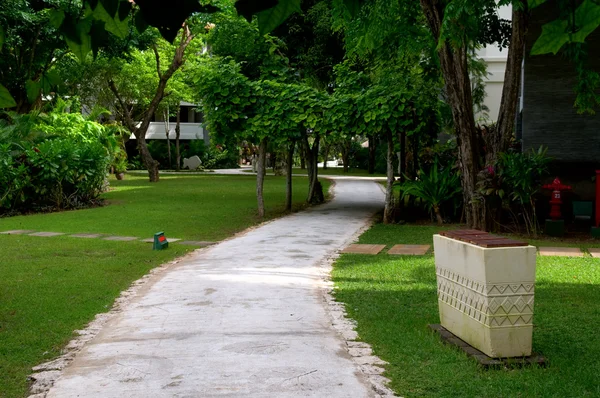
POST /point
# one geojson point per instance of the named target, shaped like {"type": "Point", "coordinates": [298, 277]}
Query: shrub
{"type": "Point", "coordinates": [14, 178]}
{"type": "Point", "coordinates": [438, 186]}
{"type": "Point", "coordinates": [516, 180]}
{"type": "Point", "coordinates": [66, 174]}
{"type": "Point", "coordinates": [56, 160]}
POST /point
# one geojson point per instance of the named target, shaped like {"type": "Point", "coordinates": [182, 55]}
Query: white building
{"type": "Point", "coordinates": [190, 125]}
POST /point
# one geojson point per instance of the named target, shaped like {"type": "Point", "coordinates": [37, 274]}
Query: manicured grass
{"type": "Point", "coordinates": [52, 286]}
{"type": "Point", "coordinates": [193, 207]}
{"type": "Point", "coordinates": [394, 298]}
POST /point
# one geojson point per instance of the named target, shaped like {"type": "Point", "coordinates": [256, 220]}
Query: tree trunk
{"type": "Point", "coordinates": [315, 190]}
{"type": "Point", "coordinates": [302, 161]}
{"type": "Point", "coordinates": [415, 151]}
{"type": "Point", "coordinates": [454, 67]}
{"type": "Point", "coordinates": [150, 164]}
{"type": "Point", "coordinates": [167, 129]}
{"type": "Point", "coordinates": [177, 135]}
{"type": "Point", "coordinates": [402, 160]}
{"type": "Point", "coordinates": [326, 155]}
{"type": "Point", "coordinates": [288, 177]}
{"type": "Point", "coordinates": [500, 140]}
{"type": "Point", "coordinates": [388, 213]}
{"type": "Point", "coordinates": [140, 132]}
{"type": "Point", "coordinates": [345, 154]}
{"type": "Point", "coordinates": [371, 166]}
{"type": "Point", "coordinates": [438, 215]}
{"type": "Point", "coordinates": [260, 176]}
{"type": "Point", "coordinates": [273, 158]}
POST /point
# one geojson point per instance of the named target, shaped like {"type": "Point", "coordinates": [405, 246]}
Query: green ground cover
{"type": "Point", "coordinates": [192, 207]}
{"type": "Point", "coordinates": [52, 286]}
{"type": "Point", "coordinates": [393, 299]}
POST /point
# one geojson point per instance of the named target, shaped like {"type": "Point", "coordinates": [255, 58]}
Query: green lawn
{"type": "Point", "coordinates": [192, 207]}
{"type": "Point", "coordinates": [52, 286]}
{"type": "Point", "coordinates": [394, 298]}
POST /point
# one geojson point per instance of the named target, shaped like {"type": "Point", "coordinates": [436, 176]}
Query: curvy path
{"type": "Point", "coordinates": [245, 317]}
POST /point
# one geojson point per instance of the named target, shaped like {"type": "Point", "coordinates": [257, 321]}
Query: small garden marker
{"type": "Point", "coordinates": [160, 242]}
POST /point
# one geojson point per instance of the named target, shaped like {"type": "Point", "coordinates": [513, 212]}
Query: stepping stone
{"type": "Point", "coordinates": [595, 252]}
{"type": "Point", "coordinates": [46, 234]}
{"type": "Point", "coordinates": [413, 250]}
{"type": "Point", "coordinates": [17, 232]}
{"type": "Point", "coordinates": [86, 235]}
{"type": "Point", "coordinates": [561, 251]}
{"type": "Point", "coordinates": [170, 240]}
{"type": "Point", "coordinates": [121, 238]}
{"type": "Point", "coordinates": [196, 243]}
{"type": "Point", "coordinates": [363, 249]}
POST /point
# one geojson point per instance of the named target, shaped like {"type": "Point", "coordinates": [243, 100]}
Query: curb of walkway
{"type": "Point", "coordinates": [361, 353]}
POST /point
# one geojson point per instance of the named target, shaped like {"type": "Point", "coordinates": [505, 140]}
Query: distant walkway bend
{"type": "Point", "coordinates": [244, 318]}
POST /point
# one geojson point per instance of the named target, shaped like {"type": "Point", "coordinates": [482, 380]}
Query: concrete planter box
{"type": "Point", "coordinates": [485, 295]}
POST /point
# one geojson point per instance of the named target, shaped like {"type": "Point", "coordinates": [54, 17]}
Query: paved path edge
{"type": "Point", "coordinates": [371, 366]}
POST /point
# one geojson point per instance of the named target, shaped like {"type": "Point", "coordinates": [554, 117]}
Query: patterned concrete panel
{"type": "Point", "coordinates": [415, 250]}
{"type": "Point", "coordinates": [17, 232]}
{"type": "Point", "coordinates": [121, 238]}
{"type": "Point", "coordinates": [561, 251]}
{"type": "Point", "coordinates": [89, 236]}
{"type": "Point", "coordinates": [363, 249]}
{"type": "Point", "coordinates": [46, 234]}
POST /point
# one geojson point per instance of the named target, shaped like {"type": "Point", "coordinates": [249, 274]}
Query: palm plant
{"type": "Point", "coordinates": [434, 188]}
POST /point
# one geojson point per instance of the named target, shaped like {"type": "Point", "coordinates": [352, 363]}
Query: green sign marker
{"type": "Point", "coordinates": [160, 242]}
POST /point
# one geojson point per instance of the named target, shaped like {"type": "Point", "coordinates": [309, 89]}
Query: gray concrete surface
{"type": "Point", "coordinates": [245, 318]}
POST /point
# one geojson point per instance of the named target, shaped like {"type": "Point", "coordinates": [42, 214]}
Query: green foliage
{"type": "Point", "coordinates": [56, 160]}
{"type": "Point", "coordinates": [6, 100]}
{"type": "Point", "coordinates": [516, 180]}
{"type": "Point", "coordinates": [66, 174]}
{"type": "Point", "coordinates": [270, 18]}
{"type": "Point", "coordinates": [574, 27]}
{"type": "Point", "coordinates": [522, 173]}
{"type": "Point", "coordinates": [219, 157]}
{"type": "Point", "coordinates": [14, 178]}
{"type": "Point", "coordinates": [434, 188]}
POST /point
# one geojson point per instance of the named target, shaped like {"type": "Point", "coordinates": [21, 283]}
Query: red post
{"type": "Point", "coordinates": [597, 198]}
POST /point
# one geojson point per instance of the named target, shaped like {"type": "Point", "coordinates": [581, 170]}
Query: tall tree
{"type": "Point", "coordinates": [139, 124]}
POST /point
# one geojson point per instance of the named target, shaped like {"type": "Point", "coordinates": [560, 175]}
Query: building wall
{"type": "Point", "coordinates": [549, 117]}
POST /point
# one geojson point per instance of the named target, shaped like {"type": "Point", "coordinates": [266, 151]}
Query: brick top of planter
{"type": "Point", "coordinates": [481, 238]}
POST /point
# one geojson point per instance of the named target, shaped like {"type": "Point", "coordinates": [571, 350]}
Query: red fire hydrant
{"type": "Point", "coordinates": [556, 199]}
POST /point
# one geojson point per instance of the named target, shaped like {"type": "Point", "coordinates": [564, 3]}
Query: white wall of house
{"type": "Point", "coordinates": [496, 65]}
{"type": "Point", "coordinates": [189, 131]}
{"type": "Point", "coordinates": [157, 130]}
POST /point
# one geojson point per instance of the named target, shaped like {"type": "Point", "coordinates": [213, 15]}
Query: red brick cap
{"type": "Point", "coordinates": [482, 238]}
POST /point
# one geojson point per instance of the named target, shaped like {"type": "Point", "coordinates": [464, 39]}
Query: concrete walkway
{"type": "Point", "coordinates": [245, 318]}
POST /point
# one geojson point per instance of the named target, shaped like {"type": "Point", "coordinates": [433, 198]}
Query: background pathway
{"type": "Point", "coordinates": [245, 317]}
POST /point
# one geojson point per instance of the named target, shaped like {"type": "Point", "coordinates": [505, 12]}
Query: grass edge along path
{"type": "Point", "coordinates": [393, 299]}
{"type": "Point", "coordinates": [51, 286]}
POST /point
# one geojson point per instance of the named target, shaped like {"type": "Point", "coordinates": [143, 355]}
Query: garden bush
{"type": "Point", "coordinates": [435, 188]}
{"type": "Point", "coordinates": [55, 161]}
